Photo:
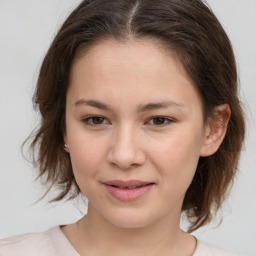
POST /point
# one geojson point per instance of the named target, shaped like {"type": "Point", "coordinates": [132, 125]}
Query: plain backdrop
{"type": "Point", "coordinates": [26, 30]}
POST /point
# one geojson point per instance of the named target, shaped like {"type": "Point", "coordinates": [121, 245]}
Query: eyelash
{"type": "Point", "coordinates": [89, 123]}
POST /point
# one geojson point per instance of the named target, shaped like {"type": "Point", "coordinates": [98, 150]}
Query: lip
{"type": "Point", "coordinates": [127, 190]}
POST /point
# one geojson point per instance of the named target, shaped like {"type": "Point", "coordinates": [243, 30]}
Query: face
{"type": "Point", "coordinates": [134, 130]}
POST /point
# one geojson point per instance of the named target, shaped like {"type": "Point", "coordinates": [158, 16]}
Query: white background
{"type": "Point", "coordinates": [26, 30]}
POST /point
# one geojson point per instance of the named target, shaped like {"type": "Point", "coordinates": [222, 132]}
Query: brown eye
{"type": "Point", "coordinates": [94, 120]}
{"type": "Point", "coordinates": [160, 121]}
{"type": "Point", "coordinates": [97, 120]}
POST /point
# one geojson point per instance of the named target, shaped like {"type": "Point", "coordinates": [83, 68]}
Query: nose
{"type": "Point", "coordinates": [126, 149]}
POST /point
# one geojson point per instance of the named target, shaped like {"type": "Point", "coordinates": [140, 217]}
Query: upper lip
{"type": "Point", "coordinates": [128, 183]}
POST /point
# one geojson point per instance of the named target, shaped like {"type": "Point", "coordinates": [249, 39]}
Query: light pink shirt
{"type": "Point", "coordinates": [54, 243]}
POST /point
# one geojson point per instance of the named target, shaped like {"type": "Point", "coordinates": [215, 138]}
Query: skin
{"type": "Point", "coordinates": [127, 144]}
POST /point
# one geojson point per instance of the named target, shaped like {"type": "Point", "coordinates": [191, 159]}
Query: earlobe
{"type": "Point", "coordinates": [216, 129]}
{"type": "Point", "coordinates": [66, 148]}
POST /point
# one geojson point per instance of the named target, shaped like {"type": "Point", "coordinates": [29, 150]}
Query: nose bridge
{"type": "Point", "coordinates": [126, 149]}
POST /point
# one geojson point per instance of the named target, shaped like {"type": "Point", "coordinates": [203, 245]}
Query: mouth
{"type": "Point", "coordinates": [128, 190]}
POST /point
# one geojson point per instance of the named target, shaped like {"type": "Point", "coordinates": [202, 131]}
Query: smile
{"type": "Point", "coordinates": [127, 190]}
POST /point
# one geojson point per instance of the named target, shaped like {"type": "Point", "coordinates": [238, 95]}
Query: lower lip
{"type": "Point", "coordinates": [128, 194]}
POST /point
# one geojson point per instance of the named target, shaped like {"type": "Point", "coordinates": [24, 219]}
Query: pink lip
{"type": "Point", "coordinates": [124, 191]}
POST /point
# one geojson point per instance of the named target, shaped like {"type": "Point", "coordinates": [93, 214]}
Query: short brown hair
{"type": "Point", "coordinates": [189, 28]}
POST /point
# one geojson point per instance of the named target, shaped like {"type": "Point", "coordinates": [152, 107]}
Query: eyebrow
{"type": "Point", "coordinates": [140, 108]}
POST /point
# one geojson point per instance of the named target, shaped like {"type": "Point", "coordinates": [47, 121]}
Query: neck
{"type": "Point", "coordinates": [97, 236]}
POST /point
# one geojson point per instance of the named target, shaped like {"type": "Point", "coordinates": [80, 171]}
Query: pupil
{"type": "Point", "coordinates": [159, 120]}
{"type": "Point", "coordinates": [97, 120]}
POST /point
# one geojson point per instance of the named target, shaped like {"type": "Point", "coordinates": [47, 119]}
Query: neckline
{"type": "Point", "coordinates": [70, 250]}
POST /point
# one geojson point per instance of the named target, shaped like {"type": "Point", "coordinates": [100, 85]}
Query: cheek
{"type": "Point", "coordinates": [85, 158]}
{"type": "Point", "coordinates": [176, 158]}
{"type": "Point", "coordinates": [85, 148]}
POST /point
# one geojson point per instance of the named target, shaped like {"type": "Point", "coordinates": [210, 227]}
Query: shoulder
{"type": "Point", "coordinates": [51, 242]}
{"type": "Point", "coordinates": [205, 249]}
{"type": "Point", "coordinates": [25, 244]}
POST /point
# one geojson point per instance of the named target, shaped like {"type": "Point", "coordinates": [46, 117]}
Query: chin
{"type": "Point", "coordinates": [132, 220]}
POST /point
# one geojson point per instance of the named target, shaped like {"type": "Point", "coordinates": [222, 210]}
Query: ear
{"type": "Point", "coordinates": [215, 130]}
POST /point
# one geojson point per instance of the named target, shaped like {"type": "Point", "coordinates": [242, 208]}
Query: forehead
{"type": "Point", "coordinates": [143, 66]}
{"type": "Point", "coordinates": [137, 55]}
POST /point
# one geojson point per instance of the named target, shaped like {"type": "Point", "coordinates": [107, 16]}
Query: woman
{"type": "Point", "coordinates": [140, 113]}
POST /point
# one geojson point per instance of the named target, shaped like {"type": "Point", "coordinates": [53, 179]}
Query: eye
{"type": "Point", "coordinates": [160, 121]}
{"type": "Point", "coordinates": [94, 120]}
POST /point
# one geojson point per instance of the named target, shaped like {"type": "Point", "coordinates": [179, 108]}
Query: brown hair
{"type": "Point", "coordinates": [189, 28]}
